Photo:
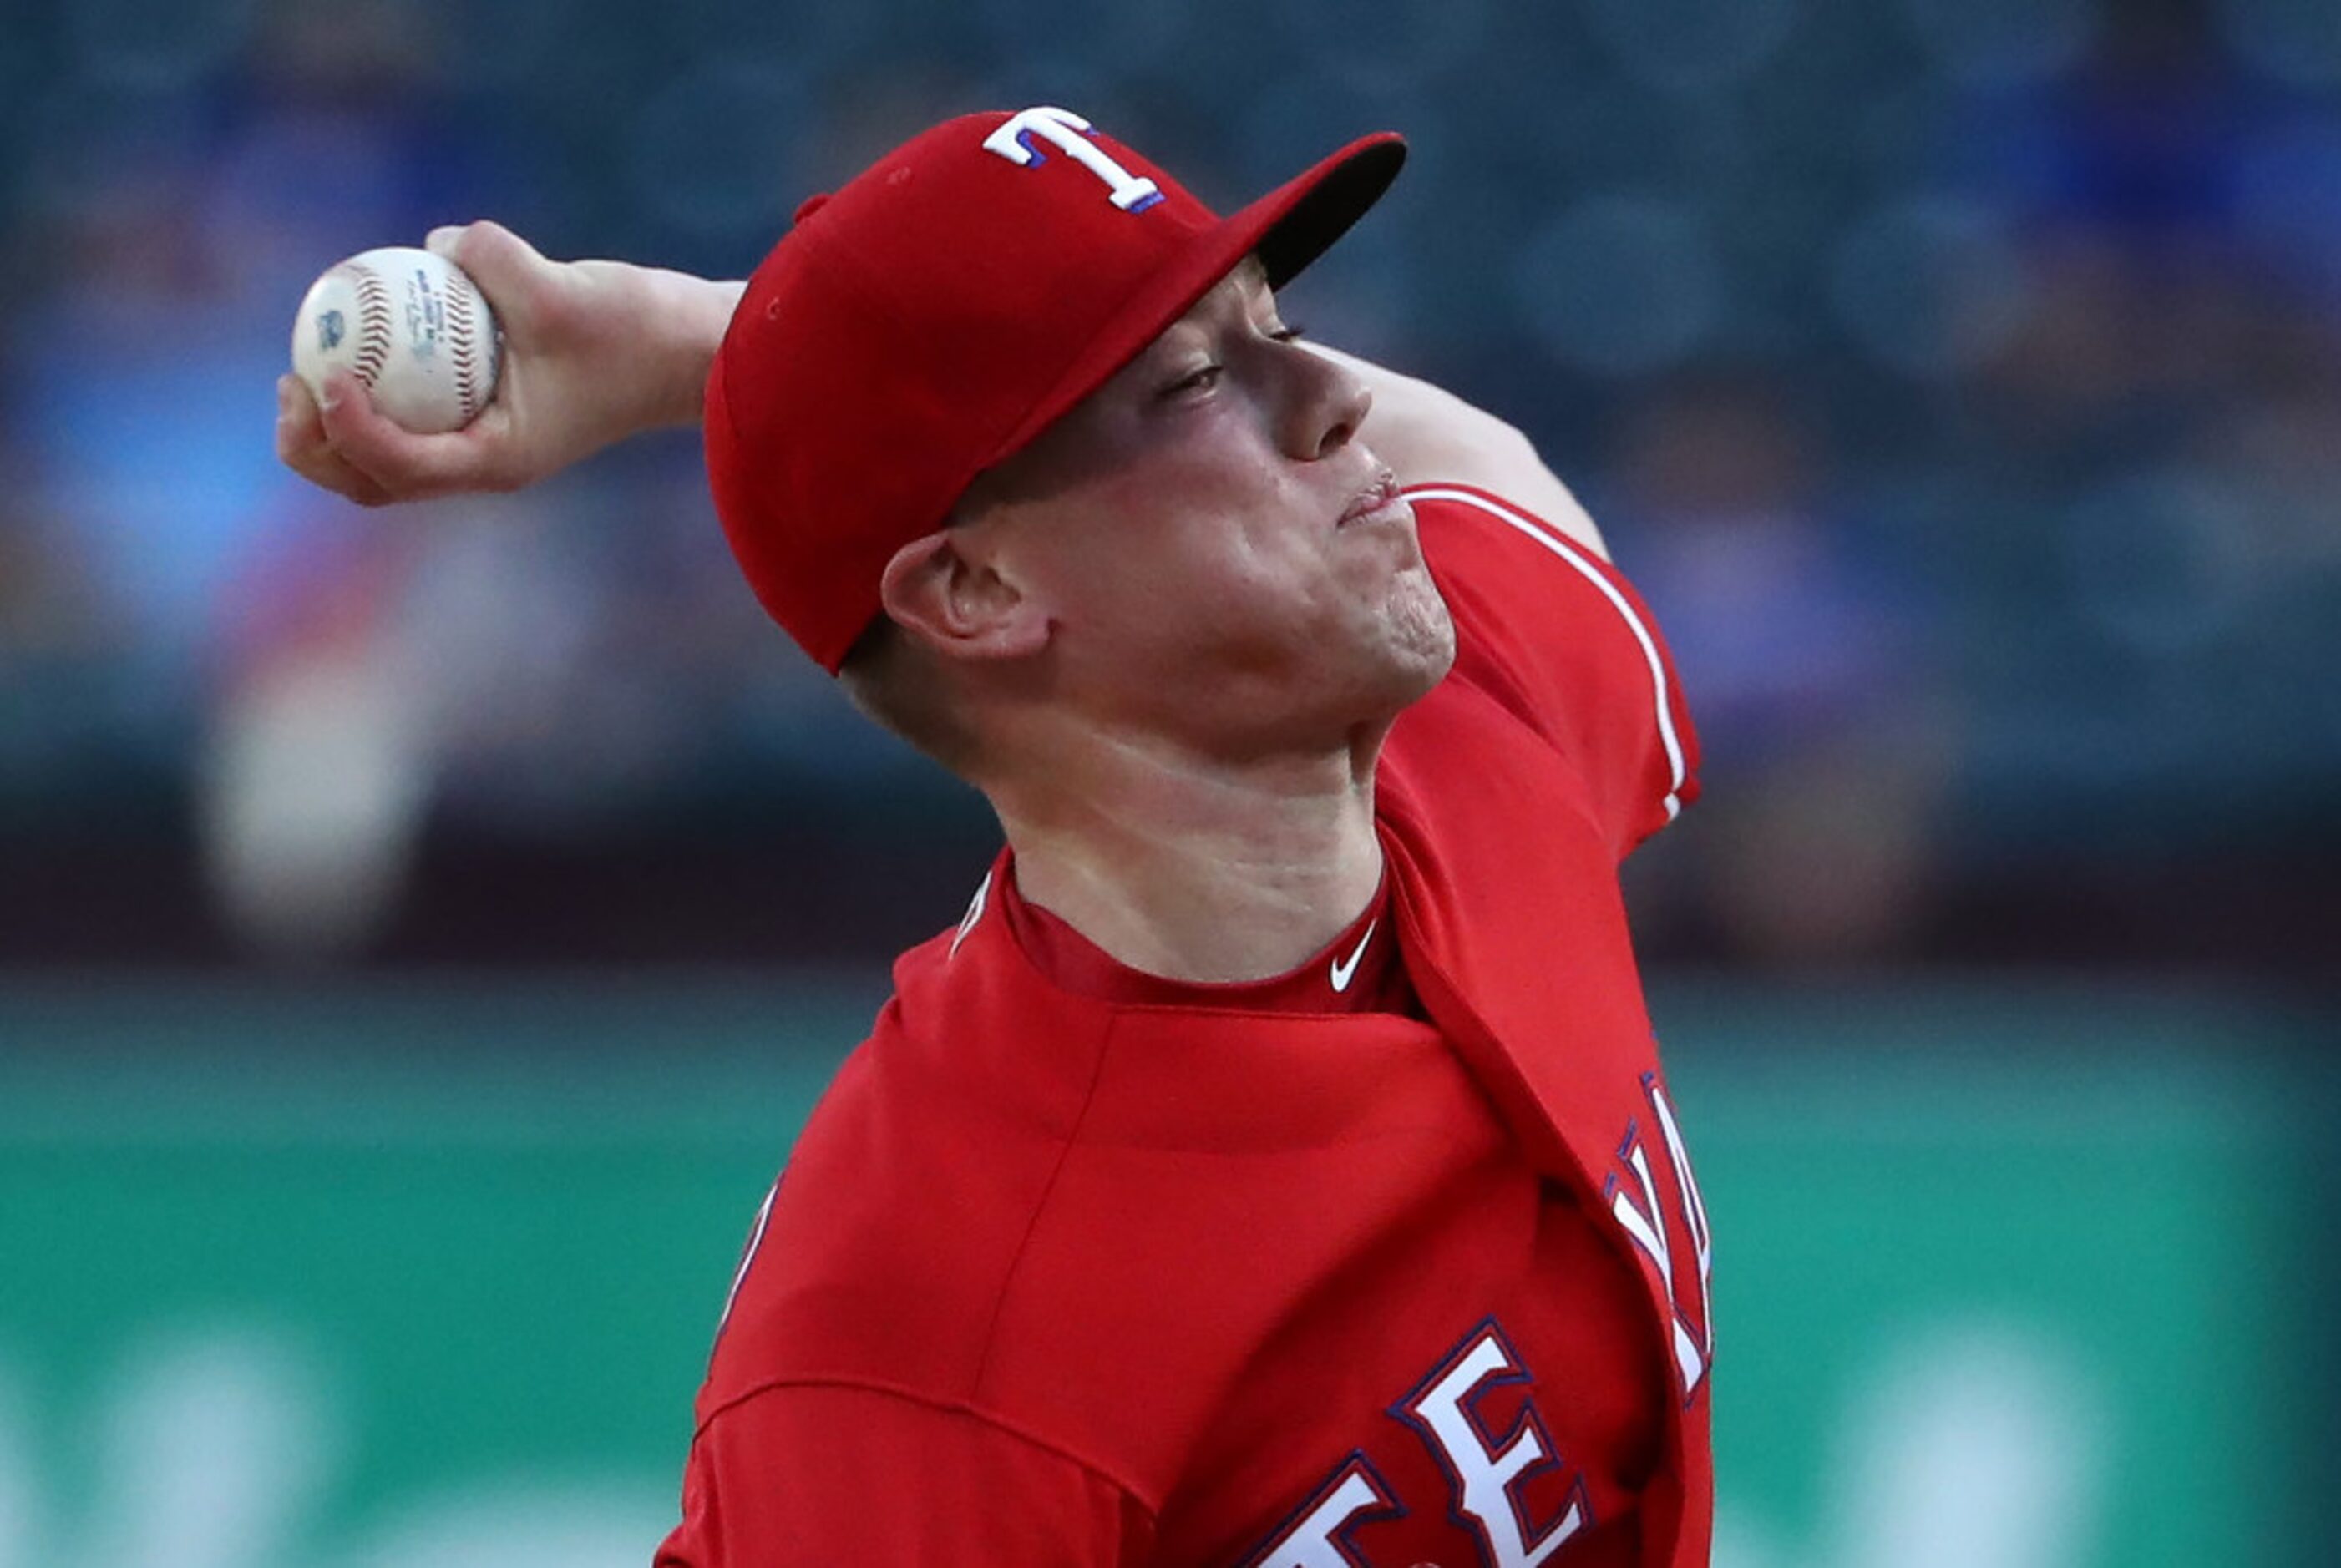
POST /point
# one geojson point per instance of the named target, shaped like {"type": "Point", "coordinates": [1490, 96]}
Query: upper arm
{"type": "Point", "coordinates": [803, 1476]}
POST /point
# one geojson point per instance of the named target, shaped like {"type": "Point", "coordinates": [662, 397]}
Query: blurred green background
{"type": "Point", "coordinates": [423, 1275]}
{"type": "Point", "coordinates": [421, 934]}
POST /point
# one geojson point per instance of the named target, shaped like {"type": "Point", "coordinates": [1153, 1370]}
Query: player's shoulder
{"type": "Point", "coordinates": [880, 1254]}
{"type": "Point", "coordinates": [1469, 531]}
{"type": "Point", "coordinates": [1521, 586]}
{"type": "Point", "coordinates": [1541, 514]}
{"type": "Point", "coordinates": [1523, 582]}
{"type": "Point", "coordinates": [1552, 641]}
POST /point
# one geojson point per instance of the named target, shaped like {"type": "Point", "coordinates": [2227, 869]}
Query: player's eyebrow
{"type": "Point", "coordinates": [1249, 276]}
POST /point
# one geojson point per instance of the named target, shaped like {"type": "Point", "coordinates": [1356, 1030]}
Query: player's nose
{"type": "Point", "coordinates": [1329, 402]}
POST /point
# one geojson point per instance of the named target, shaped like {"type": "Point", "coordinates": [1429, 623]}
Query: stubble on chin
{"type": "Point", "coordinates": [1421, 638]}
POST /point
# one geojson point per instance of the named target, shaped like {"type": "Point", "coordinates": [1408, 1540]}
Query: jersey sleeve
{"type": "Point", "coordinates": [1557, 634]}
{"type": "Point", "coordinates": [809, 1476]}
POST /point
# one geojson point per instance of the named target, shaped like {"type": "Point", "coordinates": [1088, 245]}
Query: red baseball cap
{"type": "Point", "coordinates": [943, 309]}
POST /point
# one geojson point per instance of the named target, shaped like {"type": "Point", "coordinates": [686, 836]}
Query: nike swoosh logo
{"type": "Point", "coordinates": [1345, 969]}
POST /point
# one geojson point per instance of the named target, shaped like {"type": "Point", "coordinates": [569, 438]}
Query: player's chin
{"type": "Point", "coordinates": [1417, 645]}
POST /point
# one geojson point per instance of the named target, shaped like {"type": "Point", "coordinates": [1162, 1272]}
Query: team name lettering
{"type": "Point", "coordinates": [1487, 1472]}
{"type": "Point", "coordinates": [1646, 1223]}
{"type": "Point", "coordinates": [1068, 132]}
{"type": "Point", "coordinates": [1319, 1539]}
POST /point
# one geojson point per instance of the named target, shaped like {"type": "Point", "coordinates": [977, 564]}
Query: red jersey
{"type": "Point", "coordinates": [1073, 1269]}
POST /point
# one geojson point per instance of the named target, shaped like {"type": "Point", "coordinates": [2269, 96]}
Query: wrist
{"type": "Point", "coordinates": [686, 318]}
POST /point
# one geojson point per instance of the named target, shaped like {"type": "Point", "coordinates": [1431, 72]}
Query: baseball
{"type": "Point", "coordinates": [410, 324]}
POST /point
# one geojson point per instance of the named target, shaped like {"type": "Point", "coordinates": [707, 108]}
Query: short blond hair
{"type": "Point", "coordinates": [901, 687]}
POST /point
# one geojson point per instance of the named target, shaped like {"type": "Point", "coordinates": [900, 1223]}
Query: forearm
{"type": "Point", "coordinates": [686, 318]}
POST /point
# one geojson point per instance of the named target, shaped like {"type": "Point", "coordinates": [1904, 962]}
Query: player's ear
{"type": "Point", "coordinates": [958, 604]}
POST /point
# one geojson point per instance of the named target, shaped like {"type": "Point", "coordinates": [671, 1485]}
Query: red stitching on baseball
{"type": "Point", "coordinates": [370, 352]}
{"type": "Point", "coordinates": [460, 331]}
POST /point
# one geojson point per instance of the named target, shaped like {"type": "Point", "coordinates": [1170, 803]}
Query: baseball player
{"type": "Point", "coordinates": [1273, 1165]}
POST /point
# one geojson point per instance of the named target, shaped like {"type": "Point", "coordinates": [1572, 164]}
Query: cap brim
{"type": "Point", "coordinates": [1288, 228]}
{"type": "Point", "coordinates": [1298, 221]}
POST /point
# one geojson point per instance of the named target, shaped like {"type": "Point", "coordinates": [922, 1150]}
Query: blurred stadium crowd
{"type": "Point", "coordinates": [1960, 380]}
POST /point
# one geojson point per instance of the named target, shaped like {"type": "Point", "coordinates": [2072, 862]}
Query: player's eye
{"type": "Point", "coordinates": [1195, 381]}
{"type": "Point", "coordinates": [1204, 376]}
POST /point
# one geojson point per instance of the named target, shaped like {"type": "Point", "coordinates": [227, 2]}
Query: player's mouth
{"type": "Point", "coordinates": [1379, 503]}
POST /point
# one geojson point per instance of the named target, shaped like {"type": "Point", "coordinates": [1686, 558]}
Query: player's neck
{"type": "Point", "coordinates": [1196, 872]}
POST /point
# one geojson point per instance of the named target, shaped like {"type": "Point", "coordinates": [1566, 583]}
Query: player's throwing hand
{"type": "Point", "coordinates": [594, 352]}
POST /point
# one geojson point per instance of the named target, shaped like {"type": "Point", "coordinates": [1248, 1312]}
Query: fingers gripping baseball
{"type": "Point", "coordinates": [563, 393]}
{"type": "Point", "coordinates": [303, 446]}
{"type": "Point", "coordinates": [344, 443]}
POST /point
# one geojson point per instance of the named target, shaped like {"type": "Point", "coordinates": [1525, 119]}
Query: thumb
{"type": "Point", "coordinates": [508, 269]}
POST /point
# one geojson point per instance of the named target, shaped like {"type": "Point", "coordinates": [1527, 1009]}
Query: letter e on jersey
{"type": "Point", "coordinates": [1320, 1538]}
{"type": "Point", "coordinates": [1485, 1470]}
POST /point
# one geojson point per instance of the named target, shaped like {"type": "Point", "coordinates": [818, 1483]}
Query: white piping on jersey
{"type": "Point", "coordinates": [755, 1241]}
{"type": "Point", "coordinates": [1574, 553]}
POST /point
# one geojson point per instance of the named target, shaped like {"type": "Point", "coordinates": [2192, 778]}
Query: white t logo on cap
{"type": "Point", "coordinates": [1013, 141]}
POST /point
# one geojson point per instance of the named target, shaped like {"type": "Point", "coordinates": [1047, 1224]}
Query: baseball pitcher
{"type": "Point", "coordinates": [1273, 1167]}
